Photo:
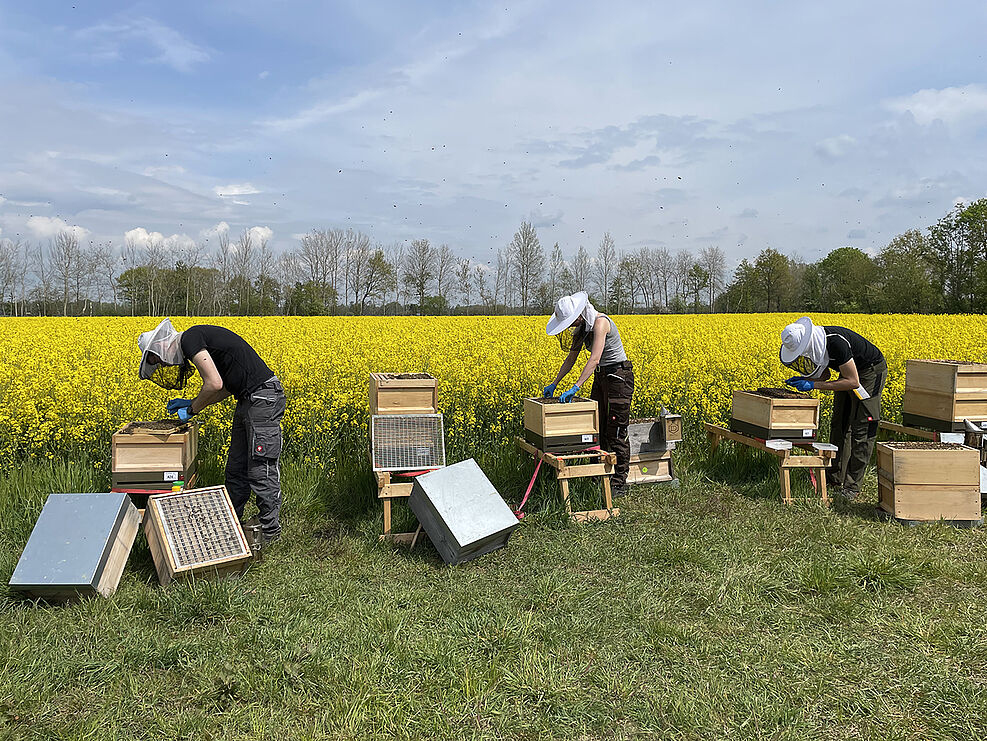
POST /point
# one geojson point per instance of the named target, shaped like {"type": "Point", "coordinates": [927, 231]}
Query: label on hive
{"type": "Point", "coordinates": [171, 476]}
{"type": "Point", "coordinates": [807, 433]}
{"type": "Point", "coordinates": [587, 438]}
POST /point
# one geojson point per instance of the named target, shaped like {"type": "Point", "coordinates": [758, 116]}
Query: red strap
{"type": "Point", "coordinates": [518, 512]}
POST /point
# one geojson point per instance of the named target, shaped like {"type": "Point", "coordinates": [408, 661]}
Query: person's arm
{"type": "Point", "coordinates": [849, 379]}
{"type": "Point", "coordinates": [570, 360]}
{"type": "Point", "coordinates": [600, 329]}
{"type": "Point", "coordinates": [212, 383]}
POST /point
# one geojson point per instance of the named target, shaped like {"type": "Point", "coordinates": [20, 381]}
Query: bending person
{"type": "Point", "coordinates": [813, 352]}
{"type": "Point", "coordinates": [578, 325]}
{"type": "Point", "coordinates": [229, 366]}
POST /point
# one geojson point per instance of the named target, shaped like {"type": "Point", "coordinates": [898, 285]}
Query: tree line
{"type": "Point", "coordinates": [343, 271]}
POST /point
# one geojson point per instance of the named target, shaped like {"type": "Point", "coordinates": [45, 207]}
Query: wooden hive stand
{"type": "Point", "coordinates": [815, 462]}
{"type": "Point", "coordinates": [387, 491]}
{"type": "Point", "coordinates": [581, 465]}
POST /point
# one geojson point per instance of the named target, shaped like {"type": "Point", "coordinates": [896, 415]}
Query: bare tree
{"type": "Point", "coordinates": [662, 266]}
{"type": "Point", "coordinates": [606, 268]}
{"type": "Point", "coordinates": [358, 254]}
{"type": "Point", "coordinates": [648, 279]}
{"type": "Point", "coordinates": [105, 267]}
{"type": "Point", "coordinates": [713, 262]}
{"type": "Point", "coordinates": [445, 271]}
{"type": "Point", "coordinates": [9, 270]}
{"type": "Point", "coordinates": [581, 266]}
{"type": "Point", "coordinates": [244, 259]}
{"type": "Point", "coordinates": [375, 279]}
{"type": "Point", "coordinates": [266, 267]}
{"type": "Point", "coordinates": [501, 278]}
{"type": "Point", "coordinates": [681, 265]}
{"type": "Point", "coordinates": [480, 282]}
{"type": "Point", "coordinates": [419, 269]}
{"type": "Point", "coordinates": [223, 262]}
{"type": "Point", "coordinates": [64, 256]}
{"type": "Point", "coordinates": [464, 281]}
{"type": "Point", "coordinates": [526, 260]}
{"type": "Point", "coordinates": [556, 267]}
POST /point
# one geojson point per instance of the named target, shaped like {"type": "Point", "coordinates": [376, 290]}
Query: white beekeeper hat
{"type": "Point", "coordinates": [568, 309]}
{"type": "Point", "coordinates": [803, 347]}
{"type": "Point", "coordinates": [164, 342]}
{"type": "Point", "coordinates": [795, 339]}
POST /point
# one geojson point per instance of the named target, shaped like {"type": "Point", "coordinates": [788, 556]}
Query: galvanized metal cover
{"type": "Point", "coordinates": [466, 503]}
{"type": "Point", "coordinates": [71, 541]}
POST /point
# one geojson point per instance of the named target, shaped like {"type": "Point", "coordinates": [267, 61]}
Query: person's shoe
{"type": "Point", "coordinates": [619, 490]}
{"type": "Point", "coordinates": [849, 494]}
{"type": "Point", "coordinates": [268, 539]}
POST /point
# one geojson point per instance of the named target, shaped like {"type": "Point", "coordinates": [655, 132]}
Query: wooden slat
{"type": "Point", "coordinates": [595, 515]}
{"type": "Point", "coordinates": [805, 461]}
{"type": "Point", "coordinates": [586, 470]}
{"type": "Point", "coordinates": [898, 429]}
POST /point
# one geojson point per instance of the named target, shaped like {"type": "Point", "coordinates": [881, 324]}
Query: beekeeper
{"type": "Point", "coordinates": [577, 324]}
{"type": "Point", "coordinates": [229, 366]}
{"type": "Point", "coordinates": [813, 351]}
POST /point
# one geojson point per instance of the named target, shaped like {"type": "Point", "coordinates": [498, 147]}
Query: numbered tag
{"type": "Point", "coordinates": [171, 475]}
{"type": "Point", "coordinates": [587, 438]}
{"type": "Point", "coordinates": [807, 433]}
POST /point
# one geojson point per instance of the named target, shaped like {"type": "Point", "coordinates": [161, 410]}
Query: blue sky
{"type": "Point", "coordinates": [743, 125]}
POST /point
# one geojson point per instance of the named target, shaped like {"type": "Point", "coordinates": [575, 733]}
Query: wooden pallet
{"type": "Point", "coordinates": [815, 462]}
{"type": "Point", "coordinates": [568, 466]}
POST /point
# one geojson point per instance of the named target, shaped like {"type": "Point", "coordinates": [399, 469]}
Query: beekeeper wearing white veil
{"type": "Point", "coordinates": [813, 351]}
{"type": "Point", "coordinates": [578, 324]}
{"type": "Point", "coordinates": [229, 366]}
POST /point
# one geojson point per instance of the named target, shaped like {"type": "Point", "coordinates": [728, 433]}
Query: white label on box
{"type": "Point", "coordinates": [807, 433]}
{"type": "Point", "coordinates": [983, 425]}
{"type": "Point", "coordinates": [171, 475]}
{"type": "Point", "coordinates": [587, 438]}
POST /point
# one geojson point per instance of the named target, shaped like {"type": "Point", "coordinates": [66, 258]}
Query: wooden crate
{"type": "Point", "coordinates": [650, 468]}
{"type": "Point", "coordinates": [792, 417]}
{"type": "Point", "coordinates": [927, 481]}
{"type": "Point", "coordinates": [153, 452]}
{"type": "Point", "coordinates": [940, 394]}
{"type": "Point", "coordinates": [553, 427]}
{"type": "Point", "coordinates": [195, 533]}
{"type": "Point", "coordinates": [403, 393]}
{"type": "Point", "coordinates": [654, 434]}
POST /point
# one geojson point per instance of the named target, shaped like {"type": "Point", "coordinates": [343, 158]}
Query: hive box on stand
{"type": "Point", "coordinates": [651, 442]}
{"type": "Point", "coordinates": [775, 414]}
{"type": "Point", "coordinates": [403, 393]}
{"type": "Point", "coordinates": [941, 394]}
{"type": "Point", "coordinates": [461, 511]}
{"type": "Point", "coordinates": [554, 427]}
{"type": "Point", "coordinates": [928, 481]}
{"type": "Point", "coordinates": [151, 456]}
{"type": "Point", "coordinates": [78, 547]}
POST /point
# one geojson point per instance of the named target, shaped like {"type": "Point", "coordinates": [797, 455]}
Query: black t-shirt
{"type": "Point", "coordinates": [239, 365]}
{"type": "Point", "coordinates": [844, 344]}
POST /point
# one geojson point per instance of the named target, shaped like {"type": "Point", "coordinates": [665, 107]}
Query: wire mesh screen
{"type": "Point", "coordinates": [201, 527]}
{"type": "Point", "coordinates": [407, 442]}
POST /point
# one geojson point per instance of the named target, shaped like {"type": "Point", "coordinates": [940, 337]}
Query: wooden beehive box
{"type": "Point", "coordinates": [654, 434]}
{"type": "Point", "coordinates": [940, 394]}
{"type": "Point", "coordinates": [152, 449]}
{"type": "Point", "coordinates": [403, 393]}
{"type": "Point", "coordinates": [554, 427]}
{"type": "Point", "coordinates": [927, 481]}
{"type": "Point", "coordinates": [650, 468]}
{"type": "Point", "coordinates": [775, 413]}
{"type": "Point", "coordinates": [195, 533]}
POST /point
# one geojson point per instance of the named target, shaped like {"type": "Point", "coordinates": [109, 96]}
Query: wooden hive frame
{"type": "Point", "coordinates": [168, 563]}
{"type": "Point", "coordinates": [154, 453]}
{"type": "Point", "coordinates": [941, 394]}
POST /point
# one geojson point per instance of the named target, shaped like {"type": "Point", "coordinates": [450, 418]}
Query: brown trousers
{"type": "Point", "coordinates": [854, 428]}
{"type": "Point", "coordinates": [613, 388]}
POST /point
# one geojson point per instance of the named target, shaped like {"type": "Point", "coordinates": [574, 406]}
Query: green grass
{"type": "Point", "coordinates": [707, 611]}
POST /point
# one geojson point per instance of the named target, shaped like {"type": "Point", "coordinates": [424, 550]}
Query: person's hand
{"type": "Point", "coordinates": [175, 404]}
{"type": "Point", "coordinates": [800, 384]}
{"type": "Point", "coordinates": [185, 413]}
{"type": "Point", "coordinates": [549, 391]}
{"type": "Point", "coordinates": [567, 396]}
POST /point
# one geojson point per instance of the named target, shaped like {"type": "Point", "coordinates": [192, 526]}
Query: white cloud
{"type": "Point", "coordinates": [116, 40]}
{"type": "Point", "coordinates": [950, 105]}
{"type": "Point", "coordinates": [264, 75]}
{"type": "Point", "coordinates": [235, 189]}
{"type": "Point", "coordinates": [260, 234]}
{"type": "Point", "coordinates": [835, 147]}
{"type": "Point", "coordinates": [214, 231]}
{"type": "Point", "coordinates": [2, 200]}
{"type": "Point", "coordinates": [46, 227]}
{"type": "Point", "coordinates": [142, 238]}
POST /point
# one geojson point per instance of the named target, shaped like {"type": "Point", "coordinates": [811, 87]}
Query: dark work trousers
{"type": "Point", "coordinates": [613, 387]}
{"type": "Point", "coordinates": [854, 428]}
{"type": "Point", "coordinates": [255, 450]}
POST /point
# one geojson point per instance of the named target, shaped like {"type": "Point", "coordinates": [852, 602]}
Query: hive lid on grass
{"type": "Point", "coordinates": [462, 512]}
{"type": "Point", "coordinates": [79, 546]}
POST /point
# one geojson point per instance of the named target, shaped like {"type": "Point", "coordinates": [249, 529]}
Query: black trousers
{"type": "Point", "coordinates": [613, 387]}
{"type": "Point", "coordinates": [255, 450]}
{"type": "Point", "coordinates": [854, 428]}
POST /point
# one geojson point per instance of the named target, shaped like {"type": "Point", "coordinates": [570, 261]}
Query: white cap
{"type": "Point", "coordinates": [795, 339]}
{"type": "Point", "coordinates": [567, 310]}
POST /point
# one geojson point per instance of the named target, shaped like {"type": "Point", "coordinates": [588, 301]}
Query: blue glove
{"type": "Point", "coordinates": [549, 391]}
{"type": "Point", "coordinates": [175, 404]}
{"type": "Point", "coordinates": [800, 384]}
{"type": "Point", "coordinates": [567, 395]}
{"type": "Point", "coordinates": [185, 413]}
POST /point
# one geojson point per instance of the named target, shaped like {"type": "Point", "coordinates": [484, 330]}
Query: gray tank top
{"type": "Point", "coordinates": [613, 348]}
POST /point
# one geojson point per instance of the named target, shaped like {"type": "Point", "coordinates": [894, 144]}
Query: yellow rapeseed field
{"type": "Point", "coordinates": [66, 384]}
